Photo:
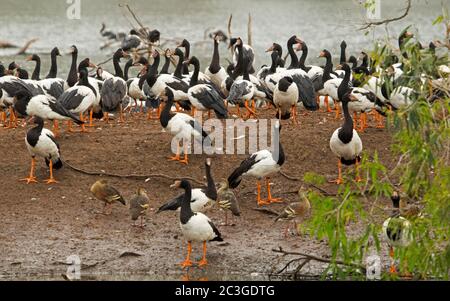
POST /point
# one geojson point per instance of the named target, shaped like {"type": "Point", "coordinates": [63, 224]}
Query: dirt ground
{"type": "Point", "coordinates": [42, 225]}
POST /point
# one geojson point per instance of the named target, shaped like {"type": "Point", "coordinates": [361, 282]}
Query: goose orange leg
{"type": "Point", "coordinates": [392, 268]}
{"type": "Point", "coordinates": [269, 195]}
{"type": "Point", "coordinates": [121, 119]}
{"type": "Point", "coordinates": [177, 155]}
{"type": "Point", "coordinates": [51, 180]}
{"type": "Point", "coordinates": [294, 114]}
{"type": "Point", "coordinates": [31, 178]}
{"type": "Point", "coordinates": [91, 113]}
{"type": "Point", "coordinates": [338, 110]}
{"type": "Point", "coordinates": [258, 196]}
{"type": "Point", "coordinates": [83, 127]}
{"type": "Point", "coordinates": [339, 180]}
{"type": "Point", "coordinates": [12, 118]}
{"type": "Point", "coordinates": [185, 160]}
{"type": "Point", "coordinates": [203, 261]}
{"type": "Point", "coordinates": [357, 178]}
{"type": "Point", "coordinates": [327, 103]}
{"type": "Point", "coordinates": [188, 262]}
{"type": "Point", "coordinates": [56, 128]}
{"type": "Point", "coordinates": [250, 111]}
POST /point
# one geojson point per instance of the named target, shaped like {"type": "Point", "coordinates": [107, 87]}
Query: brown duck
{"type": "Point", "coordinates": [139, 204]}
{"type": "Point", "coordinates": [106, 193]}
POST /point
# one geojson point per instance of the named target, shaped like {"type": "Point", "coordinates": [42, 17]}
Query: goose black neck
{"type": "Point", "coordinates": [187, 48]}
{"type": "Point", "coordinates": [294, 58]}
{"type": "Point", "coordinates": [401, 42]}
{"type": "Point", "coordinates": [214, 67]}
{"type": "Point", "coordinates": [53, 66]}
{"type": "Point", "coordinates": [72, 76]}
{"type": "Point", "coordinates": [302, 61]}
{"type": "Point", "coordinates": [186, 211]}
{"type": "Point", "coordinates": [153, 72]}
{"type": "Point", "coordinates": [117, 68]}
{"type": "Point", "coordinates": [365, 61]}
{"type": "Point", "coordinates": [165, 113]}
{"type": "Point", "coordinates": [343, 57]}
{"type": "Point", "coordinates": [240, 68]}
{"type": "Point", "coordinates": [194, 78]}
{"type": "Point", "coordinates": [328, 67]}
{"type": "Point", "coordinates": [126, 69]}
{"type": "Point", "coordinates": [273, 66]}
{"type": "Point", "coordinates": [2, 70]}
{"type": "Point", "coordinates": [165, 68]}
{"type": "Point", "coordinates": [281, 155]}
{"type": "Point", "coordinates": [37, 69]}
{"type": "Point", "coordinates": [211, 191]}
{"type": "Point", "coordinates": [179, 67]}
{"type": "Point", "coordinates": [346, 133]}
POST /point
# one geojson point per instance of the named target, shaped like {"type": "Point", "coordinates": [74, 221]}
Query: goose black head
{"type": "Point", "coordinates": [13, 66]}
{"type": "Point", "coordinates": [134, 32]}
{"type": "Point", "coordinates": [33, 57]}
{"type": "Point", "coordinates": [73, 49]}
{"type": "Point", "coordinates": [343, 44]}
{"type": "Point", "coordinates": [352, 59]}
{"type": "Point", "coordinates": [86, 63]}
{"type": "Point", "coordinates": [185, 43]}
{"type": "Point", "coordinates": [22, 73]}
{"type": "Point", "coordinates": [154, 36]}
{"type": "Point", "coordinates": [324, 53]}
{"type": "Point", "coordinates": [55, 52]}
{"type": "Point", "coordinates": [232, 42]}
{"type": "Point", "coordinates": [395, 198]}
{"type": "Point", "coordinates": [184, 184]}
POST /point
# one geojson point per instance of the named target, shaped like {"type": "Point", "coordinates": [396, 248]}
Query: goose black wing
{"type": "Point", "coordinates": [236, 176]}
{"type": "Point", "coordinates": [306, 92]}
{"type": "Point", "coordinates": [71, 99]}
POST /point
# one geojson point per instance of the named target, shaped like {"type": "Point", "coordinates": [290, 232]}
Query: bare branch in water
{"type": "Point", "coordinates": [387, 21]}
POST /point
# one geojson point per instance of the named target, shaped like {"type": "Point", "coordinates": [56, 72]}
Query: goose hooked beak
{"type": "Point", "coordinates": [29, 58]}
{"type": "Point", "coordinates": [270, 49]}
{"type": "Point", "coordinates": [176, 184]}
{"type": "Point", "coordinates": [186, 62]}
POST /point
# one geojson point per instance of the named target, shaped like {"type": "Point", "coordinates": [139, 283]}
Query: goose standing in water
{"type": "Point", "coordinates": [182, 126]}
{"type": "Point", "coordinates": [396, 230]}
{"type": "Point", "coordinates": [345, 142]}
{"type": "Point", "coordinates": [114, 89]}
{"type": "Point", "coordinates": [195, 226]}
{"type": "Point", "coordinates": [41, 142]}
{"type": "Point", "coordinates": [261, 164]}
{"type": "Point", "coordinates": [215, 71]}
{"type": "Point", "coordinates": [202, 199]}
{"type": "Point", "coordinates": [203, 96]}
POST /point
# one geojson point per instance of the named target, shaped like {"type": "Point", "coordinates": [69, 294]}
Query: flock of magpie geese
{"type": "Point", "coordinates": [177, 96]}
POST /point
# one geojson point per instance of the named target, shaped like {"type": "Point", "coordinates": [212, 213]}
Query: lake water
{"type": "Point", "coordinates": [322, 24]}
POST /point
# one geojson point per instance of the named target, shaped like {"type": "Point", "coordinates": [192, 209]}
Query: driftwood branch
{"type": "Point", "coordinates": [387, 21]}
{"type": "Point", "coordinates": [249, 30]}
{"type": "Point", "coordinates": [229, 31]}
{"type": "Point", "coordinates": [26, 46]}
{"type": "Point", "coordinates": [318, 258]}
{"type": "Point", "coordinates": [130, 176]}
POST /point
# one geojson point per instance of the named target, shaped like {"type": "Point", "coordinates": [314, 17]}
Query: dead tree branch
{"type": "Point", "coordinates": [369, 24]}
{"type": "Point", "coordinates": [26, 46]}
{"type": "Point", "coordinates": [130, 176]}
{"type": "Point", "coordinates": [249, 30]}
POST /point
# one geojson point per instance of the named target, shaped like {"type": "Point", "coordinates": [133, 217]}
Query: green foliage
{"type": "Point", "coordinates": [421, 142]}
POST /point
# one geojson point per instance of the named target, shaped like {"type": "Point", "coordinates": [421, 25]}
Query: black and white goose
{"type": "Point", "coordinates": [53, 72]}
{"type": "Point", "coordinates": [285, 98]}
{"type": "Point", "coordinates": [204, 97]}
{"type": "Point", "coordinates": [165, 67]}
{"type": "Point", "coordinates": [195, 226]}
{"type": "Point", "coordinates": [158, 82]}
{"type": "Point", "coordinates": [72, 76]}
{"type": "Point", "coordinates": [187, 51]}
{"type": "Point", "coordinates": [96, 85]}
{"type": "Point", "coordinates": [202, 199]}
{"type": "Point", "coordinates": [215, 71]}
{"type": "Point", "coordinates": [248, 54]}
{"type": "Point", "coordinates": [115, 89]}
{"type": "Point", "coordinates": [9, 85]}
{"type": "Point", "coordinates": [41, 142]}
{"type": "Point", "coordinates": [182, 126]}
{"type": "Point", "coordinates": [135, 84]}
{"type": "Point", "coordinates": [44, 107]}
{"type": "Point", "coordinates": [261, 164]}
{"type": "Point", "coordinates": [79, 99]}
{"type": "Point", "coordinates": [396, 230]}
{"type": "Point", "coordinates": [279, 49]}
{"type": "Point", "coordinates": [52, 85]}
{"type": "Point", "coordinates": [330, 82]}
{"type": "Point", "coordinates": [345, 142]}
{"type": "Point", "coordinates": [313, 71]}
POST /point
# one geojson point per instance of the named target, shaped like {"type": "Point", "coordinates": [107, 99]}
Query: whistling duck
{"type": "Point", "coordinates": [139, 204]}
{"type": "Point", "coordinates": [195, 226]}
{"type": "Point", "coordinates": [107, 194]}
{"type": "Point", "coordinates": [261, 164]}
{"type": "Point", "coordinates": [295, 210]}
{"type": "Point", "coordinates": [226, 199]}
{"type": "Point", "coordinates": [41, 142]}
